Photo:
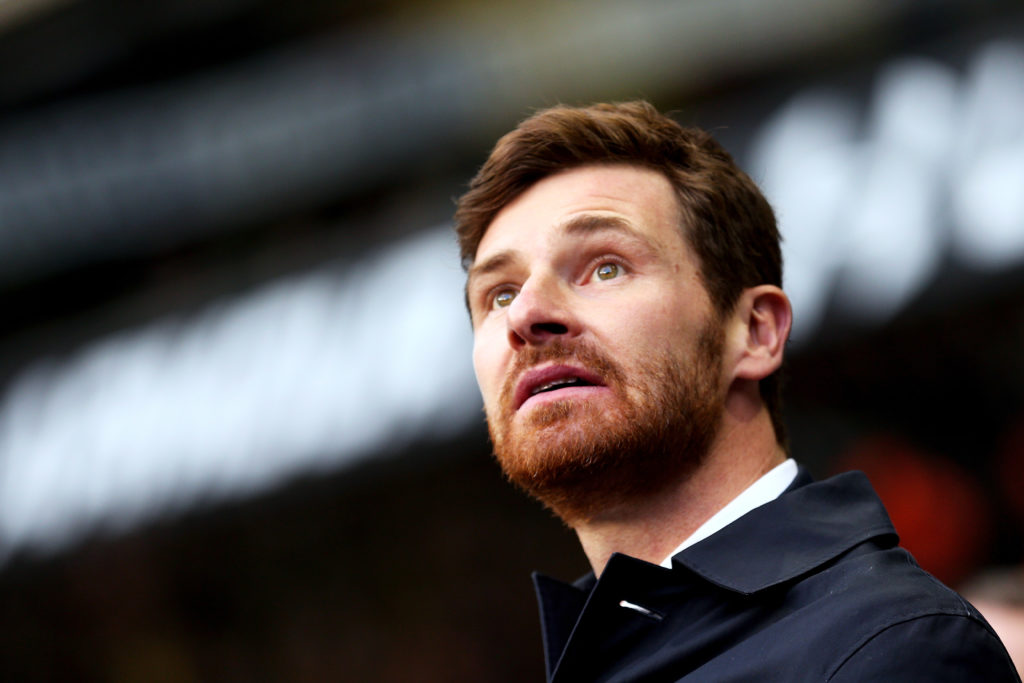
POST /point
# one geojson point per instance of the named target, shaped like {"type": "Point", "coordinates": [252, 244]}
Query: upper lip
{"type": "Point", "coordinates": [538, 377]}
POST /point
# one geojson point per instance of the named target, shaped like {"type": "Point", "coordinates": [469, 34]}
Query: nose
{"type": "Point", "coordinates": [540, 313]}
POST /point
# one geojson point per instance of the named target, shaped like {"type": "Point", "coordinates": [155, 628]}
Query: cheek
{"type": "Point", "coordinates": [653, 331]}
{"type": "Point", "coordinates": [650, 322]}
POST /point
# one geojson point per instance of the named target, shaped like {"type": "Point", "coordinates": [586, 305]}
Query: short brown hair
{"type": "Point", "coordinates": [726, 220]}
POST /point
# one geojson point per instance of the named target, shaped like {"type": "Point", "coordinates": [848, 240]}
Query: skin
{"type": "Point", "coordinates": [1008, 622]}
{"type": "Point", "coordinates": [596, 253]}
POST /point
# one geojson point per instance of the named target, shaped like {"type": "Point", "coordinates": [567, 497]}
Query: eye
{"type": "Point", "coordinates": [607, 271]}
{"type": "Point", "coordinates": [503, 298]}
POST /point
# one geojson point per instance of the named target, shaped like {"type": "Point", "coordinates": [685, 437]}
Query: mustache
{"type": "Point", "coordinates": [581, 353]}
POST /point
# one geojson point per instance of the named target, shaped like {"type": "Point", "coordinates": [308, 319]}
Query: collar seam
{"type": "Point", "coordinates": [728, 581]}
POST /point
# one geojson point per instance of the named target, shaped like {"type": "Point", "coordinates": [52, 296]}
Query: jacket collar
{"type": "Point", "coordinates": [810, 524]}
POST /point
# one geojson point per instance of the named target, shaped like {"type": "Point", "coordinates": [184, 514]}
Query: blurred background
{"type": "Point", "coordinates": [240, 438]}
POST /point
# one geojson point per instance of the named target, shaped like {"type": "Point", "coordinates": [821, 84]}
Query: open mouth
{"type": "Point", "coordinates": [560, 384]}
{"type": "Point", "coordinates": [553, 378]}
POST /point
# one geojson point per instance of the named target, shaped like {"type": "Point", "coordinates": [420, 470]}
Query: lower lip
{"type": "Point", "coordinates": [587, 393]}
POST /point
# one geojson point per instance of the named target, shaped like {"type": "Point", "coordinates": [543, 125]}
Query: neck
{"type": "Point", "coordinates": [744, 450]}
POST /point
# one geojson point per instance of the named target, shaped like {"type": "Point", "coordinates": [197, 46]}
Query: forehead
{"type": "Point", "coordinates": [641, 198]}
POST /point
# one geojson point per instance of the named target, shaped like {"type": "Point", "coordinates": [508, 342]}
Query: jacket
{"type": "Point", "coordinates": [809, 587]}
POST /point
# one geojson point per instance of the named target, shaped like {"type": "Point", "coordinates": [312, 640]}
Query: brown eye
{"type": "Point", "coordinates": [607, 271]}
{"type": "Point", "coordinates": [503, 299]}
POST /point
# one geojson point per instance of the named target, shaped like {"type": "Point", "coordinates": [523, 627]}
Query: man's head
{"type": "Point", "coordinates": [605, 247]}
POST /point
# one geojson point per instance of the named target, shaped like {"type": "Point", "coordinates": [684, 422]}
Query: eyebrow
{"type": "Point", "coordinates": [491, 264]}
{"type": "Point", "coordinates": [588, 223]}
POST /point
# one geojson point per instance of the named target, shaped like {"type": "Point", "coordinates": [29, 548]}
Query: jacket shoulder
{"type": "Point", "coordinates": [930, 647]}
{"type": "Point", "coordinates": [884, 618]}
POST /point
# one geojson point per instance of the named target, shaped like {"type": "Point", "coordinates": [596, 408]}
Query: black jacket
{"type": "Point", "coordinates": [808, 587]}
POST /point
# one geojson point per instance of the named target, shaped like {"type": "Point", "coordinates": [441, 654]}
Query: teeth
{"type": "Point", "coordinates": [555, 384]}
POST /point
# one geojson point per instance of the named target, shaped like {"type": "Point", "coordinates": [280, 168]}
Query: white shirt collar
{"type": "Point", "coordinates": [769, 487]}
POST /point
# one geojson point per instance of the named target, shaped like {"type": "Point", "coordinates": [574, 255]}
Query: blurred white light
{"type": "Point", "coordinates": [915, 109]}
{"type": "Point", "coordinates": [804, 154]}
{"type": "Point", "coordinates": [989, 209]}
{"type": "Point", "coordinates": [988, 181]}
{"type": "Point", "coordinates": [870, 211]}
{"type": "Point", "coordinates": [311, 373]}
{"type": "Point", "coordinates": [993, 99]}
{"type": "Point", "coordinates": [893, 248]}
{"type": "Point", "coordinates": [894, 225]}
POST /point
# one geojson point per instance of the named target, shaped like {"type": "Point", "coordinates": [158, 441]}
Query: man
{"type": "Point", "coordinates": [624, 284]}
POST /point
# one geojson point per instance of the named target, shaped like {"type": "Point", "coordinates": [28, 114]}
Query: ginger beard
{"type": "Point", "coordinates": [582, 459]}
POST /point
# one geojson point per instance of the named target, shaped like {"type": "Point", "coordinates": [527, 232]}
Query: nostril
{"type": "Point", "coordinates": [548, 328]}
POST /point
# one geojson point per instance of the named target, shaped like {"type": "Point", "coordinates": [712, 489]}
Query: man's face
{"type": "Point", "coordinates": [595, 347]}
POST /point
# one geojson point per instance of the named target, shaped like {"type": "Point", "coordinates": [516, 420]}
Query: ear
{"type": "Point", "coordinates": [762, 319]}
